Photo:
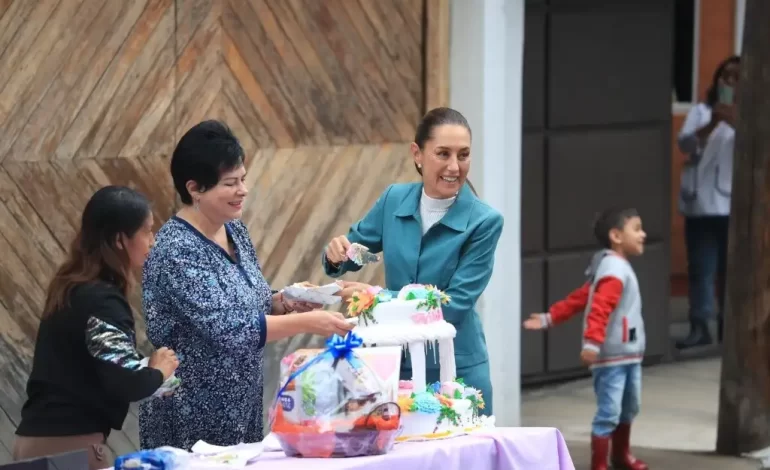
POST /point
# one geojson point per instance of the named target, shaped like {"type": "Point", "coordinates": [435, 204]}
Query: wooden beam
{"type": "Point", "coordinates": [436, 53]}
{"type": "Point", "coordinates": [744, 392]}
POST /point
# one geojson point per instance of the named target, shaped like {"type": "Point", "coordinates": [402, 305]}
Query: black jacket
{"type": "Point", "coordinates": [86, 370]}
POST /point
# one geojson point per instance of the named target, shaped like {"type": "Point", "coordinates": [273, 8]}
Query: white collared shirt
{"type": "Point", "coordinates": [707, 179]}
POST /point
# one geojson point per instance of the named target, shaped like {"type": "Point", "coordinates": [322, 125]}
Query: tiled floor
{"type": "Point", "coordinates": [675, 430]}
{"type": "Point", "coordinates": [667, 460]}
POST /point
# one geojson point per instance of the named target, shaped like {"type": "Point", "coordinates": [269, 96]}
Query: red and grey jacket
{"type": "Point", "coordinates": [612, 306]}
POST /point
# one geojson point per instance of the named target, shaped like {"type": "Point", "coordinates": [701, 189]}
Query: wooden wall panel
{"type": "Point", "coordinates": [437, 54]}
{"type": "Point", "coordinates": [325, 97]}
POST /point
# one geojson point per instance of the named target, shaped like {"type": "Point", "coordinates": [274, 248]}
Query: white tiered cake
{"type": "Point", "coordinates": [413, 318]}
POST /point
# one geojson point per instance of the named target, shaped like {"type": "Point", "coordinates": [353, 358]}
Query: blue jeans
{"type": "Point", "coordinates": [618, 392]}
{"type": "Point", "coordinates": [706, 239]}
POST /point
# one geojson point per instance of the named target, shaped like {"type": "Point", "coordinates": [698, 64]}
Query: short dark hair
{"type": "Point", "coordinates": [613, 218]}
{"type": "Point", "coordinates": [94, 255]}
{"type": "Point", "coordinates": [203, 153]}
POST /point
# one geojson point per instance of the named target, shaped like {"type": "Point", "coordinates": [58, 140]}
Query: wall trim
{"type": "Point", "coordinates": [740, 16]}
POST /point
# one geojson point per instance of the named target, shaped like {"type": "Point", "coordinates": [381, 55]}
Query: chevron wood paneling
{"type": "Point", "coordinates": [325, 97]}
{"type": "Point", "coordinates": [288, 73]}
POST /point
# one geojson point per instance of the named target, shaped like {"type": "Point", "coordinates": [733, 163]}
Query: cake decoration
{"type": "Point", "coordinates": [360, 254]}
{"type": "Point", "coordinates": [451, 389]}
{"type": "Point", "coordinates": [426, 402]}
{"type": "Point", "coordinates": [413, 319]}
{"type": "Point", "coordinates": [406, 403]}
{"type": "Point", "coordinates": [430, 296]}
{"type": "Point", "coordinates": [362, 303]}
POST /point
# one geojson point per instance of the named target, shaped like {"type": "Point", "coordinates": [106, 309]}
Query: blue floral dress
{"type": "Point", "coordinates": [210, 309]}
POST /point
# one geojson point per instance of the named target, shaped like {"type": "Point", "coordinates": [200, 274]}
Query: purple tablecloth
{"type": "Point", "coordinates": [497, 449]}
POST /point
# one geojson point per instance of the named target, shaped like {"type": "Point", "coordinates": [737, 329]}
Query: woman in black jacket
{"type": "Point", "coordinates": [87, 370]}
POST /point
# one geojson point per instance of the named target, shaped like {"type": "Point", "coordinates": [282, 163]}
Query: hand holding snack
{"type": "Point", "coordinates": [293, 305]}
{"type": "Point", "coordinates": [300, 306]}
{"type": "Point", "coordinates": [326, 323]}
{"type": "Point", "coordinates": [351, 287]}
{"type": "Point", "coordinates": [360, 254]}
{"type": "Point", "coordinates": [336, 250]}
{"type": "Point", "coordinates": [165, 360]}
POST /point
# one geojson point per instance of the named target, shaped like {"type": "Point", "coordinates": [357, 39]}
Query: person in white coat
{"type": "Point", "coordinates": [707, 137]}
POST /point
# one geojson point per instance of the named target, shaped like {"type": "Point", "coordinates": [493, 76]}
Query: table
{"type": "Point", "coordinates": [494, 449]}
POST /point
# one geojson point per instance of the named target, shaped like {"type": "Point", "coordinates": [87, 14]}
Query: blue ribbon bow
{"type": "Point", "coordinates": [337, 346]}
{"type": "Point", "coordinates": [340, 347]}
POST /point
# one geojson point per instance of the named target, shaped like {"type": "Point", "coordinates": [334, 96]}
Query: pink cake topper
{"type": "Point", "coordinates": [431, 316]}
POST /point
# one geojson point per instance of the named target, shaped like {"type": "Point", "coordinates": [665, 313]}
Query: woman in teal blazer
{"type": "Point", "coordinates": [435, 232]}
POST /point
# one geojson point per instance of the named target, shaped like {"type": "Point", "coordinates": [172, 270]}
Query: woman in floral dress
{"type": "Point", "coordinates": [205, 297]}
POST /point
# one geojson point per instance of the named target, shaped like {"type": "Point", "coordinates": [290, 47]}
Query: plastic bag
{"type": "Point", "coordinates": [334, 405]}
{"type": "Point", "coordinates": [158, 459]}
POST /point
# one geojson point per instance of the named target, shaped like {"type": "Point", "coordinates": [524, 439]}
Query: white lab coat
{"type": "Point", "coordinates": [707, 178]}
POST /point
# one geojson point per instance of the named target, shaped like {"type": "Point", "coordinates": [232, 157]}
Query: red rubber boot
{"type": "Point", "coordinates": [600, 450]}
{"type": "Point", "coordinates": [621, 450]}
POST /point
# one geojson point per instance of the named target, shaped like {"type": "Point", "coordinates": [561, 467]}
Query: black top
{"type": "Point", "coordinates": [86, 369]}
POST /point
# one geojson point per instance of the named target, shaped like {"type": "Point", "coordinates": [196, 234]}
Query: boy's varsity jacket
{"type": "Point", "coordinates": [612, 306]}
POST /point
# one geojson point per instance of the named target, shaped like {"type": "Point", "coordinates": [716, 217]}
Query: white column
{"type": "Point", "coordinates": [486, 57]}
{"type": "Point", "coordinates": [446, 357]}
{"type": "Point", "coordinates": [417, 354]}
{"type": "Point", "coordinates": [740, 15]}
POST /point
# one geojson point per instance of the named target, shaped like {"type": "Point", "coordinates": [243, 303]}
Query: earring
{"type": "Point", "coordinates": [419, 165]}
{"type": "Point", "coordinates": [197, 203]}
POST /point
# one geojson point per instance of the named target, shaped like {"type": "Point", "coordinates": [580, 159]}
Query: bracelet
{"type": "Point", "coordinates": [286, 308]}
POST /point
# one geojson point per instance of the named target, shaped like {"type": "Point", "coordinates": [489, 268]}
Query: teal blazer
{"type": "Point", "coordinates": [456, 255]}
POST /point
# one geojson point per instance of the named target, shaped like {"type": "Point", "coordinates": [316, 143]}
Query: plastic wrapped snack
{"type": "Point", "coordinates": [159, 459]}
{"type": "Point", "coordinates": [167, 387]}
{"type": "Point", "coordinates": [333, 404]}
{"type": "Point", "coordinates": [360, 255]}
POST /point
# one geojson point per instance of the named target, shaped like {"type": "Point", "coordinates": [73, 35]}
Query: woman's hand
{"type": "Point", "coordinates": [282, 305]}
{"type": "Point", "coordinates": [350, 287]}
{"type": "Point", "coordinates": [325, 323]}
{"type": "Point", "coordinates": [724, 112]}
{"type": "Point", "coordinates": [165, 360]}
{"type": "Point", "coordinates": [336, 250]}
{"type": "Point", "coordinates": [299, 306]}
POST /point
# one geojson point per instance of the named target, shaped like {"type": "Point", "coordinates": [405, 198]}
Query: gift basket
{"type": "Point", "coordinates": [333, 404]}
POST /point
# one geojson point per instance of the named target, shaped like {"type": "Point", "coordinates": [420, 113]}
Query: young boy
{"type": "Point", "coordinates": [613, 335]}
